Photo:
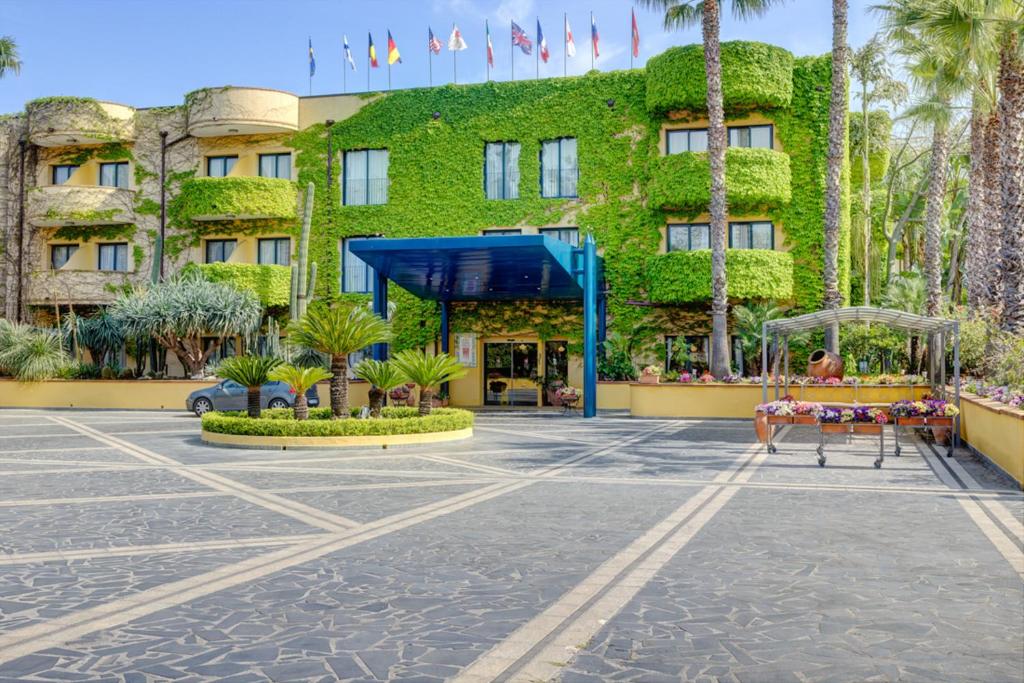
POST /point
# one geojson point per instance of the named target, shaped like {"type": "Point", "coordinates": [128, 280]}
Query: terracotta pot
{"type": "Point", "coordinates": [761, 426]}
{"type": "Point", "coordinates": [804, 419]}
{"type": "Point", "coordinates": [650, 379]}
{"type": "Point", "coordinates": [825, 364]}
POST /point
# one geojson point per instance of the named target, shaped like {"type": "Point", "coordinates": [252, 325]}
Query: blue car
{"type": "Point", "coordinates": [230, 395]}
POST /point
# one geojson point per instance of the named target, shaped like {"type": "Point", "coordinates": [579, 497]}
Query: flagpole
{"type": "Point", "coordinates": [591, 41]}
{"type": "Point", "coordinates": [344, 73]}
{"type": "Point", "coordinates": [455, 66]}
{"type": "Point", "coordinates": [565, 44]}
{"type": "Point", "coordinates": [430, 62]}
{"type": "Point", "coordinates": [512, 53]}
{"type": "Point", "coordinates": [632, 17]}
{"type": "Point", "coordinates": [311, 70]}
{"type": "Point", "coordinates": [487, 47]}
{"type": "Point", "coordinates": [369, 64]}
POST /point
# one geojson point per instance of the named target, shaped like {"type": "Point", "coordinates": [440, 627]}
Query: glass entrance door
{"type": "Point", "coordinates": [510, 373]}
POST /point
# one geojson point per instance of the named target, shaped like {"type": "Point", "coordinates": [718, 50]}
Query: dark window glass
{"type": "Point", "coordinates": [60, 254]}
{"type": "Point", "coordinates": [499, 233]}
{"type": "Point", "coordinates": [689, 237]}
{"type": "Point", "coordinates": [114, 174]}
{"type": "Point", "coordinates": [275, 251]}
{"type": "Point", "coordinates": [113, 257]}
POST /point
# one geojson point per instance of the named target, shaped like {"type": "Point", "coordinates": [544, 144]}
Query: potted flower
{"type": "Point", "coordinates": [567, 395]}
{"type": "Point", "coordinates": [650, 375]}
{"type": "Point", "coordinates": [707, 378]}
{"type": "Point", "coordinates": [402, 394]}
{"type": "Point", "coordinates": [439, 400]}
{"type": "Point", "coordinates": [806, 412]}
{"type": "Point", "coordinates": [685, 378]}
{"type": "Point", "coordinates": [772, 413]}
{"type": "Point", "coordinates": [868, 420]}
{"type": "Point", "coordinates": [831, 421]}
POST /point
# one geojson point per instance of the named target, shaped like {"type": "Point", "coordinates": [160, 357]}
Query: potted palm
{"type": "Point", "coordinates": [383, 377]}
{"type": "Point", "coordinates": [300, 380]}
{"type": "Point", "coordinates": [252, 372]}
{"type": "Point", "coordinates": [427, 372]}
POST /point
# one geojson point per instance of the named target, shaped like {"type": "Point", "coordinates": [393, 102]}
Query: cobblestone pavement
{"type": "Point", "coordinates": [544, 548]}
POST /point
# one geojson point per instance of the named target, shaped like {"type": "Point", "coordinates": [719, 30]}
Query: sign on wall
{"type": "Point", "coordinates": [465, 349]}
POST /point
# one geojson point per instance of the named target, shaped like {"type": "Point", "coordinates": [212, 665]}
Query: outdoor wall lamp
{"type": "Point", "coordinates": [436, 115]}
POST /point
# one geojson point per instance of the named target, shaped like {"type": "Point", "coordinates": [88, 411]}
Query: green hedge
{"type": "Point", "coordinates": [270, 283]}
{"type": "Point", "coordinates": [685, 276]}
{"type": "Point", "coordinates": [754, 76]}
{"type": "Point", "coordinates": [755, 180]}
{"type": "Point", "coordinates": [239, 199]}
{"type": "Point", "coordinates": [394, 421]}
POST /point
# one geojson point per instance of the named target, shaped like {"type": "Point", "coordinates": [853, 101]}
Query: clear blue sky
{"type": "Point", "coordinates": [151, 52]}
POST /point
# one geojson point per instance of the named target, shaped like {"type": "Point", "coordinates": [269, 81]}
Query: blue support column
{"type": "Point", "coordinates": [380, 307]}
{"type": "Point", "coordinates": [589, 327]}
{"type": "Point", "coordinates": [602, 322]}
{"type": "Point", "coordinates": [445, 334]}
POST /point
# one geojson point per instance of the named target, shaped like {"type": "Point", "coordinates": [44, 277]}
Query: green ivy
{"type": "Point", "coordinates": [879, 134]}
{"type": "Point", "coordinates": [755, 180]}
{"type": "Point", "coordinates": [272, 201]}
{"type": "Point", "coordinates": [105, 233]}
{"type": "Point", "coordinates": [754, 76]}
{"type": "Point", "coordinates": [268, 282]}
{"type": "Point", "coordinates": [111, 151]}
{"type": "Point", "coordinates": [685, 276]}
{"type": "Point", "coordinates": [85, 216]}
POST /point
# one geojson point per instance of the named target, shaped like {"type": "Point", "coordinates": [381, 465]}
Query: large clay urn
{"type": "Point", "coordinates": [824, 364]}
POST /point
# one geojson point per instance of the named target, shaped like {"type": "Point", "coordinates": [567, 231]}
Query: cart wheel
{"type": "Point", "coordinates": [878, 463]}
{"type": "Point", "coordinates": [821, 452]}
{"type": "Point", "coordinates": [898, 449]}
{"type": "Point", "coordinates": [772, 448]}
{"type": "Point", "coordinates": [821, 461]}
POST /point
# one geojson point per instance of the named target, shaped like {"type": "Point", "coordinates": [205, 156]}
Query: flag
{"type": "Point", "coordinates": [455, 41]}
{"type": "Point", "coordinates": [372, 52]}
{"type": "Point", "coordinates": [312, 61]}
{"type": "Point", "coordinates": [636, 36]}
{"type": "Point", "coordinates": [490, 48]}
{"type": "Point", "coordinates": [433, 44]}
{"type": "Point", "coordinates": [594, 38]}
{"type": "Point", "coordinates": [520, 38]}
{"type": "Point", "coordinates": [393, 55]}
{"type": "Point", "coordinates": [348, 53]}
{"type": "Point", "coordinates": [542, 44]}
{"type": "Point", "coordinates": [570, 44]}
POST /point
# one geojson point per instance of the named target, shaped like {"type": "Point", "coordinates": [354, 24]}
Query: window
{"type": "Point", "coordinates": [114, 256]}
{"type": "Point", "coordinates": [219, 167]}
{"type": "Point", "coordinates": [62, 173]}
{"type": "Point", "coordinates": [688, 237]}
{"type": "Point", "coordinates": [559, 168]}
{"type": "Point", "coordinates": [567, 235]}
{"type": "Point", "coordinates": [275, 251]}
{"type": "Point", "coordinates": [750, 136]}
{"type": "Point", "coordinates": [225, 350]}
{"type": "Point", "coordinates": [60, 254]}
{"type": "Point", "coordinates": [114, 174]}
{"type": "Point", "coordinates": [365, 177]}
{"type": "Point", "coordinates": [501, 233]}
{"type": "Point", "coordinates": [218, 251]}
{"type": "Point", "coordinates": [737, 355]}
{"type": "Point", "coordinates": [689, 353]}
{"type": "Point", "coordinates": [759, 235]}
{"type": "Point", "coordinates": [356, 275]}
{"type": "Point", "coordinates": [276, 165]}
{"type": "Point", "coordinates": [501, 170]}
{"type": "Point", "coordinates": [677, 141]}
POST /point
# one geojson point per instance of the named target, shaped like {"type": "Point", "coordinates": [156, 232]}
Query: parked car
{"type": "Point", "coordinates": [230, 395]}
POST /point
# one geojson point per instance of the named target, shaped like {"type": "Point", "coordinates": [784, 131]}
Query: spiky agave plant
{"type": "Point", "coordinates": [250, 371]}
{"type": "Point", "coordinates": [427, 372]}
{"type": "Point", "coordinates": [300, 380]}
{"type": "Point", "coordinates": [383, 376]}
{"type": "Point", "coordinates": [31, 354]}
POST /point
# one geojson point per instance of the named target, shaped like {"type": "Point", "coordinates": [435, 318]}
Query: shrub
{"type": "Point", "coordinates": [392, 421]}
{"type": "Point", "coordinates": [31, 354]}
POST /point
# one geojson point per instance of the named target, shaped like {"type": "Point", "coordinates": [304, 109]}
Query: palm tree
{"type": "Point", "coordinates": [749, 327]}
{"type": "Point", "coordinates": [9, 62]}
{"type": "Point", "coordinates": [383, 377]}
{"type": "Point", "coordinates": [31, 354]}
{"type": "Point", "coordinates": [338, 331]}
{"type": "Point", "coordinates": [252, 372]}
{"type": "Point", "coordinates": [907, 292]}
{"type": "Point", "coordinates": [837, 110]}
{"type": "Point", "coordinates": [682, 14]}
{"type": "Point", "coordinates": [427, 372]}
{"type": "Point", "coordinates": [1009, 15]}
{"type": "Point", "coordinates": [300, 380]}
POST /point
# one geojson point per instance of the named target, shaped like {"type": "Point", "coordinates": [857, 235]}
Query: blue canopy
{"type": "Point", "coordinates": [483, 268]}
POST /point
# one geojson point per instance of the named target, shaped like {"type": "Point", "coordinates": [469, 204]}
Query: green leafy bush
{"type": "Point", "coordinates": [755, 179]}
{"type": "Point", "coordinates": [685, 276]}
{"type": "Point", "coordinates": [754, 75]}
{"type": "Point", "coordinates": [269, 283]}
{"type": "Point", "coordinates": [392, 421]}
{"type": "Point", "coordinates": [253, 197]}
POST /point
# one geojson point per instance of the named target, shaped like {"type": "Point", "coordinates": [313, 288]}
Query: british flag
{"type": "Point", "coordinates": [433, 44]}
{"type": "Point", "coordinates": [520, 38]}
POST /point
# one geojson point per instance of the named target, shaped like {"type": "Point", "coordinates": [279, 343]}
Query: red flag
{"type": "Point", "coordinates": [636, 36]}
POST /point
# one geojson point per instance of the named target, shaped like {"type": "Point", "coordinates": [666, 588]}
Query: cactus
{"type": "Point", "coordinates": [302, 290]}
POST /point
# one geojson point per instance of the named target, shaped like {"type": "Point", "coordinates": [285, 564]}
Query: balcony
{"type": "Point", "coordinates": [216, 112]}
{"type": "Point", "coordinates": [225, 200]}
{"type": "Point", "coordinates": [271, 284]}
{"type": "Point", "coordinates": [64, 121]}
{"type": "Point", "coordinates": [682, 277]}
{"type": "Point", "coordinates": [81, 287]}
{"type": "Point", "coordinates": [54, 206]}
{"type": "Point", "coordinates": [755, 180]}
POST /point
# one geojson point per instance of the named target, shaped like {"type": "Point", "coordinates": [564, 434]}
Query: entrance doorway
{"type": "Point", "coordinates": [510, 373]}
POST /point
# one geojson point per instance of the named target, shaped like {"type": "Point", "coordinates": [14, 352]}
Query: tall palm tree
{"type": "Point", "coordinates": [9, 62]}
{"type": "Point", "coordinates": [339, 331]}
{"type": "Point", "coordinates": [837, 110]}
{"type": "Point", "coordinates": [682, 14]}
{"type": "Point", "coordinates": [1010, 17]}
{"type": "Point", "coordinates": [427, 372]}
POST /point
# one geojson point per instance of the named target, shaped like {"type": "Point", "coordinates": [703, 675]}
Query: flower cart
{"type": "Point", "coordinates": [937, 414]}
{"type": "Point", "coordinates": [784, 412]}
{"type": "Point", "coordinates": [569, 397]}
{"type": "Point", "coordinates": [856, 420]}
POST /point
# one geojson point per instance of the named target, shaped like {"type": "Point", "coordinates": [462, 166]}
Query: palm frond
{"type": "Point", "coordinates": [427, 371]}
{"type": "Point", "coordinates": [338, 330]}
{"type": "Point", "coordinates": [249, 371]}
{"type": "Point", "coordinates": [298, 378]}
{"type": "Point", "coordinates": [381, 374]}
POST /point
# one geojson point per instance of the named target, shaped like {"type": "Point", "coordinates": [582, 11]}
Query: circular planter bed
{"type": "Point", "coordinates": [279, 429]}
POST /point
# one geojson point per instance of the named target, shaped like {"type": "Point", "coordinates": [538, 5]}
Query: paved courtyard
{"type": "Point", "coordinates": [543, 548]}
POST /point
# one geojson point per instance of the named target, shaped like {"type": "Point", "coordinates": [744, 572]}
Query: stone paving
{"type": "Point", "coordinates": [544, 548]}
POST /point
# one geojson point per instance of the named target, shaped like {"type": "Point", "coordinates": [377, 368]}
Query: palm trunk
{"type": "Point", "coordinates": [978, 276]}
{"type": "Point", "coordinates": [301, 407]}
{"type": "Point", "coordinates": [836, 152]}
{"type": "Point", "coordinates": [717, 208]}
{"type": "Point", "coordinates": [1011, 157]}
{"type": "Point", "coordinates": [425, 405]}
{"type": "Point", "coordinates": [933, 218]}
{"type": "Point", "coordinates": [339, 386]}
{"type": "Point", "coordinates": [376, 396]}
{"type": "Point", "coordinates": [992, 217]}
{"type": "Point", "coordinates": [865, 167]}
{"type": "Point", "coordinates": [253, 401]}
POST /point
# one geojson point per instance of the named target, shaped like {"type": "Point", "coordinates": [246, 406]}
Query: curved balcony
{"type": "Point", "coordinates": [755, 180]}
{"type": "Point", "coordinates": [216, 112]}
{"type": "Point", "coordinates": [54, 206]}
{"type": "Point", "coordinates": [64, 121]}
{"type": "Point", "coordinates": [682, 277]}
{"type": "Point", "coordinates": [218, 200]}
{"type": "Point", "coordinates": [83, 287]}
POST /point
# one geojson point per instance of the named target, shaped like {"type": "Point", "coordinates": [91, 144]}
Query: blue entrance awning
{"type": "Point", "coordinates": [498, 268]}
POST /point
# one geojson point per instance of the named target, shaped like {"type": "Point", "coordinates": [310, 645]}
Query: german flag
{"type": "Point", "coordinates": [393, 55]}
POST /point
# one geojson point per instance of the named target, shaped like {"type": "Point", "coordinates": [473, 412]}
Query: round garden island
{"type": "Point", "coordinates": [397, 426]}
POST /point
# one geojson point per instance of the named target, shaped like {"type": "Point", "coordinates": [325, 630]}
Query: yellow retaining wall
{"type": "Point", "coordinates": [613, 395]}
{"type": "Point", "coordinates": [362, 441]}
{"type": "Point", "coordinates": [995, 430]}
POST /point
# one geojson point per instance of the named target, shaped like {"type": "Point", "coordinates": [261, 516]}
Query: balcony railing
{"type": "Point", "coordinates": [64, 205]}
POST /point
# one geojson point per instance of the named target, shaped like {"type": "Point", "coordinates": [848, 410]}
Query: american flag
{"type": "Point", "coordinates": [433, 44]}
{"type": "Point", "coordinates": [520, 38]}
